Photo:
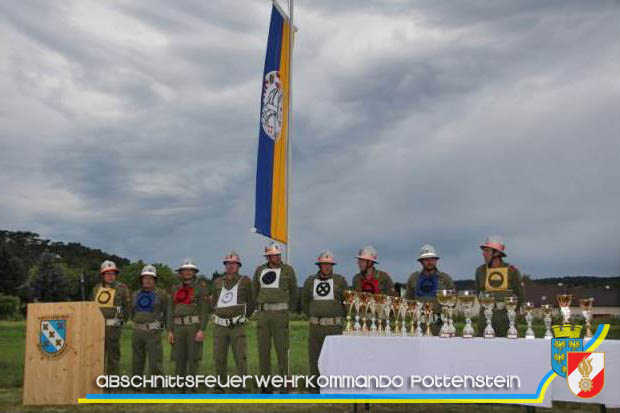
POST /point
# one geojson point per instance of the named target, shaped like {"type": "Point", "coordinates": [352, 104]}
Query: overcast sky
{"type": "Point", "coordinates": [132, 127]}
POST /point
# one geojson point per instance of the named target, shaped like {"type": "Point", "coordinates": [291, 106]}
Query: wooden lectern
{"type": "Point", "coordinates": [64, 352]}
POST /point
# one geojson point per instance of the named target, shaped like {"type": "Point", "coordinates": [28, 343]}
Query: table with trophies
{"type": "Point", "coordinates": [389, 336]}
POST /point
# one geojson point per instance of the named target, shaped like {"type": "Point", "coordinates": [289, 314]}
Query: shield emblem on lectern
{"type": "Point", "coordinates": [53, 336]}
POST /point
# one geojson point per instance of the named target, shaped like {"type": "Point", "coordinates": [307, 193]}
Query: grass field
{"type": "Point", "coordinates": [12, 336]}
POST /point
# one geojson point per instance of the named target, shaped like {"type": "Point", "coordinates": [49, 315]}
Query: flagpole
{"type": "Point", "coordinates": [289, 149]}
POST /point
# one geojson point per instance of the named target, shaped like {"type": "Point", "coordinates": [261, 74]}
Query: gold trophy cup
{"type": "Point", "coordinates": [379, 303]}
{"type": "Point", "coordinates": [428, 313]}
{"type": "Point", "coordinates": [466, 300]}
{"type": "Point", "coordinates": [349, 302]}
{"type": "Point", "coordinates": [528, 308]}
{"type": "Point", "coordinates": [487, 301]}
{"type": "Point", "coordinates": [511, 302]}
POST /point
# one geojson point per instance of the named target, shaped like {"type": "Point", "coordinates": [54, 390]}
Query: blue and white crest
{"type": "Point", "coordinates": [559, 348]}
{"type": "Point", "coordinates": [53, 336]}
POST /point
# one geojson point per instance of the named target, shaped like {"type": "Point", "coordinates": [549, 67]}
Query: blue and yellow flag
{"type": "Point", "coordinates": [271, 176]}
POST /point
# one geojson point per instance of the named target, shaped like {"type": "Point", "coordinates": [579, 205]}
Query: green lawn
{"type": "Point", "coordinates": [12, 336]}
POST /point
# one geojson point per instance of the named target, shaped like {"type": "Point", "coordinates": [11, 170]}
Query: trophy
{"type": "Point", "coordinates": [419, 305]}
{"type": "Point", "coordinates": [364, 299]}
{"type": "Point", "coordinates": [395, 306]}
{"type": "Point", "coordinates": [487, 300]}
{"type": "Point", "coordinates": [466, 300]}
{"type": "Point", "coordinates": [379, 304]}
{"type": "Point", "coordinates": [586, 309]}
{"type": "Point", "coordinates": [412, 308]}
{"type": "Point", "coordinates": [428, 313]}
{"type": "Point", "coordinates": [402, 309]}
{"type": "Point", "coordinates": [528, 307]}
{"type": "Point", "coordinates": [547, 309]}
{"type": "Point", "coordinates": [451, 304]}
{"type": "Point", "coordinates": [357, 328]}
{"type": "Point", "coordinates": [511, 302]}
{"type": "Point", "coordinates": [372, 309]}
{"type": "Point", "coordinates": [387, 309]}
{"type": "Point", "coordinates": [349, 301]}
{"type": "Point", "coordinates": [564, 301]}
{"type": "Point", "coordinates": [447, 299]}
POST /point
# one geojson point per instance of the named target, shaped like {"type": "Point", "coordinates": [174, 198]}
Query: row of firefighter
{"type": "Point", "coordinates": [369, 307]}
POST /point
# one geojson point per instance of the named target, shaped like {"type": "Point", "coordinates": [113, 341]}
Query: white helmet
{"type": "Point", "coordinates": [108, 265]}
{"type": "Point", "coordinates": [273, 249]}
{"type": "Point", "coordinates": [326, 257]}
{"type": "Point", "coordinates": [187, 265]}
{"type": "Point", "coordinates": [232, 256]}
{"type": "Point", "coordinates": [427, 251]}
{"type": "Point", "coordinates": [149, 270]}
{"type": "Point", "coordinates": [495, 242]}
{"type": "Point", "coordinates": [368, 253]}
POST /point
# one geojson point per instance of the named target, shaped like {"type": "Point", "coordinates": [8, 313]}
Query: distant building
{"type": "Point", "coordinates": [606, 298]}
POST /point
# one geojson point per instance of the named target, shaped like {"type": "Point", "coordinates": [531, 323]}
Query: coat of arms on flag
{"type": "Point", "coordinates": [586, 373]}
{"type": "Point", "coordinates": [53, 336]}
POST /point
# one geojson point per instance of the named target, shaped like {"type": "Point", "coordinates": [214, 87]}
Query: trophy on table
{"type": "Point", "coordinates": [349, 302]}
{"type": "Point", "coordinates": [487, 301]}
{"type": "Point", "coordinates": [396, 301]}
{"type": "Point", "coordinates": [447, 300]}
{"type": "Point", "coordinates": [511, 302]}
{"type": "Point", "coordinates": [466, 300]}
{"type": "Point", "coordinates": [357, 328]}
{"type": "Point", "coordinates": [387, 309]}
{"type": "Point", "coordinates": [547, 309]}
{"type": "Point", "coordinates": [402, 309]}
{"type": "Point", "coordinates": [528, 307]}
{"type": "Point", "coordinates": [364, 299]}
{"type": "Point", "coordinates": [564, 301]}
{"type": "Point", "coordinates": [451, 304]}
{"type": "Point", "coordinates": [586, 309]}
{"type": "Point", "coordinates": [372, 309]}
{"type": "Point", "coordinates": [379, 304]}
{"type": "Point", "coordinates": [419, 306]}
{"type": "Point", "coordinates": [412, 310]}
{"type": "Point", "coordinates": [428, 314]}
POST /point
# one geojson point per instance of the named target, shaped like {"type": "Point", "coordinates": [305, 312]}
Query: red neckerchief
{"type": "Point", "coordinates": [370, 283]}
{"type": "Point", "coordinates": [184, 295]}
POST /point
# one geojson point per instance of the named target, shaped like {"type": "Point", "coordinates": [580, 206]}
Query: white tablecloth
{"type": "Point", "coordinates": [434, 356]}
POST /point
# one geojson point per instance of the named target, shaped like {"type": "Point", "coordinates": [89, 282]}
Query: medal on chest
{"type": "Point", "coordinates": [323, 289]}
{"type": "Point", "coordinates": [270, 278]}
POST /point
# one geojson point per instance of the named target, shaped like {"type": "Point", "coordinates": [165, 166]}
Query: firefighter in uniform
{"type": "Point", "coordinates": [149, 312]}
{"type": "Point", "coordinates": [233, 300]}
{"type": "Point", "coordinates": [322, 301]}
{"type": "Point", "coordinates": [423, 285]}
{"type": "Point", "coordinates": [370, 279]}
{"type": "Point", "coordinates": [500, 278]}
{"type": "Point", "coordinates": [187, 320]}
{"type": "Point", "coordinates": [112, 297]}
{"type": "Point", "coordinates": [276, 291]}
